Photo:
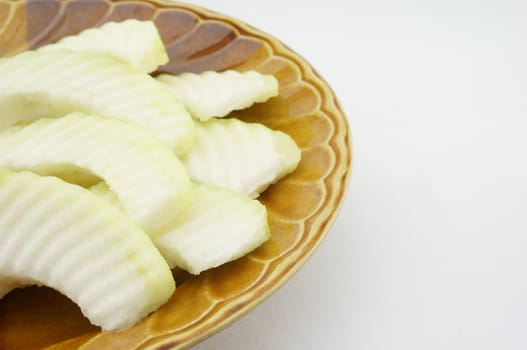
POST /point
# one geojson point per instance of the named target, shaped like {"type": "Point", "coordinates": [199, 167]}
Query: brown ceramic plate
{"type": "Point", "coordinates": [301, 207]}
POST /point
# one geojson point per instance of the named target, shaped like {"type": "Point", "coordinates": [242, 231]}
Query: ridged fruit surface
{"type": "Point", "coordinates": [50, 84]}
{"type": "Point", "coordinates": [131, 41]}
{"type": "Point", "coordinates": [62, 236]}
{"type": "Point", "coordinates": [146, 176]}
{"type": "Point", "coordinates": [216, 94]}
{"type": "Point", "coordinates": [244, 157]}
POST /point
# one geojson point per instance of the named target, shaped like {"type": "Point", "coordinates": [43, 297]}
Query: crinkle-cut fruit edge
{"type": "Point", "coordinates": [223, 244]}
{"type": "Point", "coordinates": [216, 94]}
{"type": "Point", "coordinates": [91, 252]}
{"type": "Point", "coordinates": [49, 84]}
{"type": "Point", "coordinates": [244, 157]}
{"type": "Point", "coordinates": [149, 180]}
{"type": "Point", "coordinates": [219, 226]}
{"type": "Point", "coordinates": [134, 42]}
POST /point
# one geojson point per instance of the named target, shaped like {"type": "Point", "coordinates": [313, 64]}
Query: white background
{"type": "Point", "coordinates": [430, 248]}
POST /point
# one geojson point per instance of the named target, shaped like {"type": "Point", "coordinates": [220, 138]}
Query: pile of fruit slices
{"type": "Point", "coordinates": [105, 168]}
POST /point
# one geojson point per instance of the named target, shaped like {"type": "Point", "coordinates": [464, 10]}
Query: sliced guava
{"type": "Point", "coordinates": [135, 42]}
{"type": "Point", "coordinates": [50, 84]}
{"type": "Point", "coordinates": [216, 94]}
{"type": "Point", "coordinates": [149, 180]}
{"type": "Point", "coordinates": [62, 236]}
{"type": "Point", "coordinates": [244, 157]}
{"type": "Point", "coordinates": [218, 226]}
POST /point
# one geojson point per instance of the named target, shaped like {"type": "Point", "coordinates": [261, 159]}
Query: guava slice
{"type": "Point", "coordinates": [135, 42]}
{"type": "Point", "coordinates": [50, 84]}
{"type": "Point", "coordinates": [218, 226]}
{"type": "Point", "coordinates": [149, 180]}
{"type": "Point", "coordinates": [62, 236]}
{"type": "Point", "coordinates": [244, 157]}
{"type": "Point", "coordinates": [216, 94]}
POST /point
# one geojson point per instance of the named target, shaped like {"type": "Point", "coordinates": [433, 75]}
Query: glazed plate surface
{"type": "Point", "coordinates": [301, 207]}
